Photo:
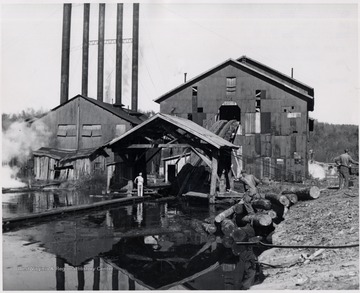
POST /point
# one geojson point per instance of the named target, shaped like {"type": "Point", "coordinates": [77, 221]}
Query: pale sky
{"type": "Point", "coordinates": [318, 39]}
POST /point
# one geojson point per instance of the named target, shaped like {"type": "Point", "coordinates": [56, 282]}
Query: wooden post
{"type": "Point", "coordinates": [214, 169]}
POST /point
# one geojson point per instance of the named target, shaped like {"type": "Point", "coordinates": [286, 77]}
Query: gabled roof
{"type": "Point", "coordinates": [157, 121]}
{"type": "Point", "coordinates": [128, 115]}
{"type": "Point", "coordinates": [281, 76]}
{"type": "Point", "coordinates": [250, 70]}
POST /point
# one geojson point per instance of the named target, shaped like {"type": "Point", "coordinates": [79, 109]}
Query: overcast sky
{"type": "Point", "coordinates": [319, 40]}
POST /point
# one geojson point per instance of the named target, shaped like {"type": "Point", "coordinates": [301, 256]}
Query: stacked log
{"type": "Point", "coordinates": [303, 193]}
{"type": "Point", "coordinates": [238, 227]}
{"type": "Point", "coordinates": [278, 199]}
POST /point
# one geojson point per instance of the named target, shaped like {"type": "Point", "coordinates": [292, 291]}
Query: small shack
{"type": "Point", "coordinates": [135, 148]}
{"type": "Point", "coordinates": [58, 164]}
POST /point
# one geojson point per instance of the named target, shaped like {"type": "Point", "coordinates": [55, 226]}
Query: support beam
{"type": "Point", "coordinates": [215, 164]}
{"type": "Point", "coordinates": [85, 52]}
{"type": "Point", "coordinates": [160, 145]}
{"type": "Point", "coordinates": [100, 77]}
{"type": "Point", "coordinates": [65, 54]}
{"type": "Point", "coordinates": [119, 41]}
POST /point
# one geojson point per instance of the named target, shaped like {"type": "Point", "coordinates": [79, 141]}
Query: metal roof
{"type": "Point", "coordinates": [180, 123]}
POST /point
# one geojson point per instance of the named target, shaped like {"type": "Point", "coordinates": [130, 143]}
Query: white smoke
{"type": "Point", "coordinates": [316, 171]}
{"type": "Point", "coordinates": [18, 143]}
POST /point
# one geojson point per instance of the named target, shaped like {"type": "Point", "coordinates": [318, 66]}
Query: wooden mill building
{"type": "Point", "coordinates": [77, 129]}
{"type": "Point", "coordinates": [272, 109]}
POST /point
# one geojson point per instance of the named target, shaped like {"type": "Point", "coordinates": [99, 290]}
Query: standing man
{"type": "Point", "coordinates": [251, 192]}
{"type": "Point", "coordinates": [343, 163]}
{"type": "Point", "coordinates": [139, 180]}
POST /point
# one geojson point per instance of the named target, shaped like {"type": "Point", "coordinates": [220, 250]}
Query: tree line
{"type": "Point", "coordinates": [329, 140]}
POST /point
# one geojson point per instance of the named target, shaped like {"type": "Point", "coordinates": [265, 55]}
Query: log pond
{"type": "Point", "coordinates": [141, 246]}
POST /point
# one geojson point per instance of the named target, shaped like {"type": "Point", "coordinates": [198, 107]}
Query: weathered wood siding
{"type": "Point", "coordinates": [273, 135]}
{"type": "Point", "coordinates": [80, 112]}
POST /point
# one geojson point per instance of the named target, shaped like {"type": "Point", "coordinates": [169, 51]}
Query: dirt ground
{"type": "Point", "coordinates": [330, 220]}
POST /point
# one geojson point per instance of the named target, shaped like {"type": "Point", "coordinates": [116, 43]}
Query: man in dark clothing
{"type": "Point", "coordinates": [251, 192]}
{"type": "Point", "coordinates": [343, 163]}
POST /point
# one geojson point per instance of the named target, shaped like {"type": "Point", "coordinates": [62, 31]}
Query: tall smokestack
{"type": "Point", "coordinates": [119, 41]}
{"type": "Point", "coordinates": [65, 54]}
{"type": "Point", "coordinates": [135, 55]}
{"type": "Point", "coordinates": [85, 57]}
{"type": "Point", "coordinates": [100, 90]}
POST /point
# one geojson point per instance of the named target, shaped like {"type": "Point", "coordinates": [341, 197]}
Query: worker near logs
{"type": "Point", "coordinates": [343, 163]}
{"type": "Point", "coordinates": [251, 192]}
{"type": "Point", "coordinates": [139, 180]}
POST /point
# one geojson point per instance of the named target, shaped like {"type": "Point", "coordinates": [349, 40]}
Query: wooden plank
{"type": "Point", "coordinates": [265, 122]}
{"type": "Point", "coordinates": [214, 177]}
{"type": "Point", "coordinates": [64, 210]}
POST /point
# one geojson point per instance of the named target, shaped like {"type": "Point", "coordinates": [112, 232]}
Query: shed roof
{"type": "Point", "coordinates": [267, 77]}
{"type": "Point", "coordinates": [151, 127]}
{"type": "Point", "coordinates": [68, 155]}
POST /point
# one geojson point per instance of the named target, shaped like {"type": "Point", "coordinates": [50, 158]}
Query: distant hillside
{"type": "Point", "coordinates": [329, 140]}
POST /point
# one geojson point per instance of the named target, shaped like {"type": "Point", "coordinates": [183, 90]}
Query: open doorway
{"type": "Point", "coordinates": [229, 111]}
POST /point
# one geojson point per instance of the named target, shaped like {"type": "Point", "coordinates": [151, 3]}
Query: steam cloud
{"type": "Point", "coordinates": [18, 142]}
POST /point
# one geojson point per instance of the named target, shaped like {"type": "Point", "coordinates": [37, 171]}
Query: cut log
{"type": "Point", "coordinates": [239, 208]}
{"type": "Point", "coordinates": [282, 199]}
{"type": "Point", "coordinates": [228, 241]}
{"type": "Point", "coordinates": [227, 226]}
{"type": "Point", "coordinates": [238, 249]}
{"type": "Point", "coordinates": [272, 214]}
{"type": "Point", "coordinates": [292, 197]}
{"type": "Point", "coordinates": [227, 213]}
{"type": "Point", "coordinates": [239, 235]}
{"type": "Point", "coordinates": [249, 230]}
{"type": "Point", "coordinates": [209, 228]}
{"type": "Point", "coordinates": [269, 237]}
{"type": "Point", "coordinates": [258, 219]}
{"type": "Point", "coordinates": [263, 204]}
{"type": "Point", "coordinates": [303, 193]}
{"type": "Point", "coordinates": [256, 239]}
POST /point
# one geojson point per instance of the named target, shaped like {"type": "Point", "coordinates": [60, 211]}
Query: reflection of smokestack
{"type": "Point", "coordinates": [135, 55]}
{"type": "Point", "coordinates": [100, 90]}
{"type": "Point", "coordinates": [65, 54]}
{"type": "Point", "coordinates": [119, 37]}
{"type": "Point", "coordinates": [85, 61]}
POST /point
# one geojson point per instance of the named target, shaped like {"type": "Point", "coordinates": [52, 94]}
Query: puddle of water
{"type": "Point", "coordinates": [139, 247]}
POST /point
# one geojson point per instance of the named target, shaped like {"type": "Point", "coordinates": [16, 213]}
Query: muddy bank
{"type": "Point", "coordinates": [330, 220]}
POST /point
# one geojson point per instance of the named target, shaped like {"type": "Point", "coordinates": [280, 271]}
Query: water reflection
{"type": "Point", "coordinates": [17, 204]}
{"type": "Point", "coordinates": [144, 246]}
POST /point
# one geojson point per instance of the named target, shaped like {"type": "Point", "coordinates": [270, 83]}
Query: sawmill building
{"type": "Point", "coordinates": [272, 108]}
{"type": "Point", "coordinates": [77, 128]}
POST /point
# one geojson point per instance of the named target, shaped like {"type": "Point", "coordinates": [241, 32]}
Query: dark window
{"type": "Point", "coordinates": [200, 110]}
{"type": "Point", "coordinates": [190, 116]}
{"type": "Point", "coordinates": [194, 91]}
{"type": "Point", "coordinates": [260, 94]}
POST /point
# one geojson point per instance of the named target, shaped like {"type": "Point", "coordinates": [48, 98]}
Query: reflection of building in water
{"type": "Point", "coordinates": [139, 214]}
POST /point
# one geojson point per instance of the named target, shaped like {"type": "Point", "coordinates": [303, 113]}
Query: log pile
{"type": "Point", "coordinates": [236, 225]}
